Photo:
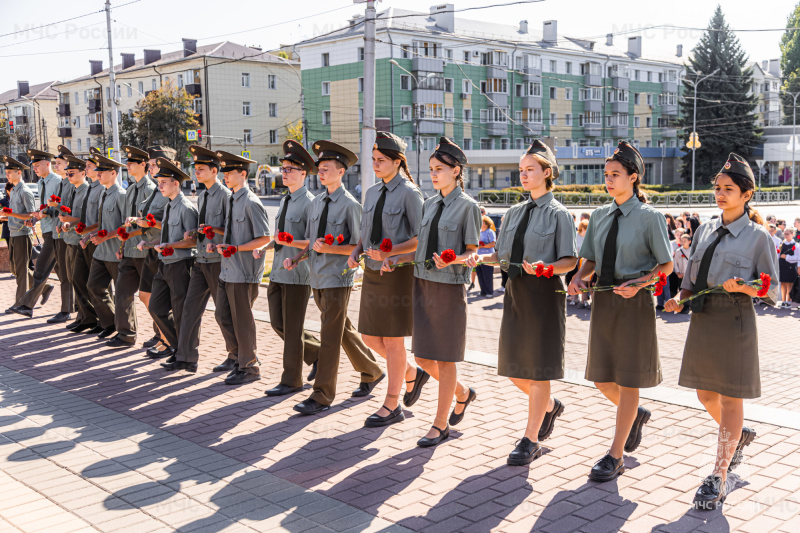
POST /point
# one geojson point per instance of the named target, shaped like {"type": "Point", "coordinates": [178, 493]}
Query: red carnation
{"type": "Point", "coordinates": [102, 233]}
{"type": "Point", "coordinates": [481, 243]}
{"type": "Point", "coordinates": [765, 283]}
{"type": "Point", "coordinates": [658, 290]}
{"type": "Point", "coordinates": [793, 247]}
{"type": "Point", "coordinates": [122, 233]}
{"type": "Point", "coordinates": [662, 278]}
{"type": "Point", "coordinates": [7, 210]}
{"type": "Point", "coordinates": [80, 227]}
{"type": "Point", "coordinates": [549, 271]}
{"type": "Point", "coordinates": [285, 237]}
{"type": "Point", "coordinates": [448, 256]}
{"type": "Point", "coordinates": [340, 238]}
{"type": "Point", "coordinates": [386, 246]}
{"type": "Point", "coordinates": [539, 270]}
{"type": "Point", "coordinates": [42, 207]}
{"type": "Point", "coordinates": [328, 239]}
{"type": "Point", "coordinates": [54, 198]}
{"type": "Point", "coordinates": [229, 251]}
{"type": "Point", "coordinates": [208, 231]}
{"type": "Point", "coordinates": [168, 251]}
{"type": "Point", "coordinates": [66, 210]}
{"type": "Point", "coordinates": [151, 220]}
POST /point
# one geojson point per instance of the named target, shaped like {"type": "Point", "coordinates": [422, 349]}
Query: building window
{"type": "Point", "coordinates": [360, 115]}
{"type": "Point", "coordinates": [405, 83]}
{"type": "Point", "coordinates": [553, 119]}
{"type": "Point", "coordinates": [108, 93]}
{"type": "Point", "coordinates": [409, 142]}
{"type": "Point", "coordinates": [567, 93]}
{"type": "Point", "coordinates": [426, 49]}
{"type": "Point", "coordinates": [273, 136]}
{"type": "Point", "coordinates": [247, 137]}
{"type": "Point", "coordinates": [273, 110]}
{"type": "Point", "coordinates": [649, 76]}
{"type": "Point", "coordinates": [428, 143]}
{"type": "Point", "coordinates": [466, 58]}
{"type": "Point", "coordinates": [246, 109]}
{"type": "Point", "coordinates": [636, 122]}
{"type": "Point", "coordinates": [467, 143]}
{"type": "Point", "coordinates": [448, 85]}
{"type": "Point", "coordinates": [326, 60]}
{"type": "Point", "coordinates": [553, 66]}
{"type": "Point", "coordinates": [648, 121]}
{"type": "Point", "coordinates": [567, 142]}
{"type": "Point", "coordinates": [272, 82]}
{"type": "Point", "coordinates": [466, 87]}
{"type": "Point", "coordinates": [130, 90]}
{"type": "Point", "coordinates": [568, 119]}
{"type": "Point", "coordinates": [504, 144]}
{"type": "Point", "coordinates": [361, 85]}
{"type": "Point", "coordinates": [180, 81]}
{"type": "Point", "coordinates": [467, 115]}
{"type": "Point", "coordinates": [486, 144]}
{"type": "Point", "coordinates": [636, 98]}
{"type": "Point", "coordinates": [405, 113]}
{"type": "Point", "coordinates": [649, 99]}
{"type": "Point", "coordinates": [79, 145]}
{"type": "Point", "coordinates": [154, 84]}
{"type": "Point", "coordinates": [361, 53]}
{"type": "Point", "coordinates": [326, 118]}
{"type": "Point", "coordinates": [637, 75]}
{"type": "Point", "coordinates": [78, 122]}
{"type": "Point", "coordinates": [553, 93]}
{"type": "Point", "coordinates": [245, 79]}
{"type": "Point", "coordinates": [405, 52]}
{"type": "Point", "coordinates": [429, 111]}
{"type": "Point", "coordinates": [518, 116]}
{"type": "Point", "coordinates": [518, 144]}
{"type": "Point", "coordinates": [449, 114]}
{"type": "Point", "coordinates": [326, 88]}
{"type": "Point", "coordinates": [141, 88]}
{"type": "Point", "coordinates": [568, 67]}
{"type": "Point", "coordinates": [77, 98]}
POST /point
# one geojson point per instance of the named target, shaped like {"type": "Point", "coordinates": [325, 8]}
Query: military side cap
{"type": "Point", "coordinates": [161, 151]}
{"type": "Point", "coordinates": [38, 155]}
{"type": "Point", "coordinates": [737, 164]}
{"type": "Point", "coordinates": [204, 156]}
{"type": "Point", "coordinates": [293, 151]}
{"type": "Point", "coordinates": [627, 153]}
{"type": "Point", "coordinates": [446, 146]}
{"type": "Point", "coordinates": [167, 169]}
{"type": "Point", "coordinates": [136, 155]}
{"type": "Point", "coordinates": [385, 140]}
{"type": "Point", "coordinates": [73, 163]}
{"type": "Point", "coordinates": [330, 151]}
{"type": "Point", "coordinates": [13, 164]}
{"type": "Point", "coordinates": [104, 163]}
{"type": "Point", "coordinates": [537, 147]}
{"type": "Point", "coordinates": [63, 152]}
{"type": "Point", "coordinates": [229, 162]}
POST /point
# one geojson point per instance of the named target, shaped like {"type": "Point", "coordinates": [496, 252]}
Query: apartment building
{"type": "Point", "coordinates": [244, 98]}
{"type": "Point", "coordinates": [767, 85]}
{"type": "Point", "coordinates": [28, 114]}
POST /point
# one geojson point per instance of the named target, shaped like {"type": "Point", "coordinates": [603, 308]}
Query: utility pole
{"type": "Point", "coordinates": [112, 90]}
{"type": "Point", "coordinates": [694, 119]}
{"type": "Point", "coordinates": [794, 137]}
{"type": "Point", "coordinates": [368, 131]}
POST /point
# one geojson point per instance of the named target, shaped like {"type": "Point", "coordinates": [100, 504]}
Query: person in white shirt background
{"type": "Point", "coordinates": [788, 258]}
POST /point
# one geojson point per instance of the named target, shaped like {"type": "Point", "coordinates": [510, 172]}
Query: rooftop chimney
{"type": "Point", "coordinates": [775, 67]}
{"type": "Point", "coordinates": [679, 51]}
{"type": "Point", "coordinates": [151, 56]}
{"type": "Point", "coordinates": [523, 26]}
{"type": "Point", "coordinates": [128, 60]}
{"type": "Point", "coordinates": [23, 88]}
{"type": "Point", "coordinates": [635, 46]}
{"type": "Point", "coordinates": [189, 47]}
{"type": "Point", "coordinates": [550, 31]}
{"type": "Point", "coordinates": [444, 17]}
{"type": "Point", "coordinates": [96, 66]}
{"type": "Point", "coordinates": [609, 39]}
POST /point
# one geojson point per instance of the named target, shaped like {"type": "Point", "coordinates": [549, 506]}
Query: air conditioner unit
{"type": "Point", "coordinates": [476, 53]}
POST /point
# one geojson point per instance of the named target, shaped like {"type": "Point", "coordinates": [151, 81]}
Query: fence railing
{"type": "Point", "coordinates": [661, 199]}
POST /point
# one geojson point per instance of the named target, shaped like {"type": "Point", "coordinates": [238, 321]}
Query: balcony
{"type": "Point", "coordinates": [592, 105]}
{"type": "Point", "coordinates": [21, 119]}
{"type": "Point", "coordinates": [497, 128]}
{"type": "Point", "coordinates": [193, 89]}
{"type": "Point", "coordinates": [620, 82]}
{"type": "Point", "coordinates": [65, 132]}
{"type": "Point", "coordinates": [593, 80]}
{"type": "Point", "coordinates": [431, 127]}
{"type": "Point", "coordinates": [493, 71]}
{"type": "Point", "coordinates": [533, 74]}
{"type": "Point", "coordinates": [532, 102]}
{"type": "Point", "coordinates": [95, 129]}
{"type": "Point", "coordinates": [669, 133]}
{"type": "Point", "coordinates": [592, 130]}
{"type": "Point", "coordinates": [499, 99]}
{"type": "Point", "coordinates": [619, 131]}
{"type": "Point", "coordinates": [427, 96]}
{"type": "Point", "coordinates": [669, 109]}
{"type": "Point", "coordinates": [535, 128]}
{"type": "Point", "coordinates": [199, 118]}
{"type": "Point", "coordinates": [427, 64]}
{"type": "Point", "coordinates": [63, 110]}
{"type": "Point", "coordinates": [669, 87]}
{"type": "Point", "coordinates": [619, 107]}
{"type": "Point", "coordinates": [95, 105]}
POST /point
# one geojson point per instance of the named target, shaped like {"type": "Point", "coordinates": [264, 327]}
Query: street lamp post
{"type": "Point", "coordinates": [794, 138]}
{"type": "Point", "coordinates": [694, 119]}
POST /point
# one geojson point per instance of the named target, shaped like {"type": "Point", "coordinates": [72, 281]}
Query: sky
{"type": "Point", "coordinates": [62, 51]}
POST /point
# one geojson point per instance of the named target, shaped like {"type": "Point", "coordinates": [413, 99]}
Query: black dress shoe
{"type": "Point", "coordinates": [171, 359]}
{"type": "Point", "coordinates": [59, 318]}
{"type": "Point", "coordinates": [72, 325]}
{"type": "Point", "coordinates": [152, 353]}
{"type": "Point", "coordinates": [456, 418]}
{"type": "Point", "coordinates": [635, 436]}
{"type": "Point", "coordinates": [227, 366]}
{"type": "Point", "coordinates": [180, 365]}
{"type": "Point", "coordinates": [240, 377]}
{"type": "Point", "coordinates": [550, 419]}
{"type": "Point", "coordinates": [11, 310]}
{"type": "Point", "coordinates": [117, 342]}
{"type": "Point", "coordinates": [310, 406]}
{"type": "Point", "coordinates": [377, 421]}
{"type": "Point", "coordinates": [107, 332]}
{"type": "Point", "coordinates": [364, 389]}
{"type": "Point", "coordinates": [313, 374]}
{"type": "Point", "coordinates": [152, 342]}
{"type": "Point", "coordinates": [711, 494]}
{"type": "Point", "coordinates": [410, 398]}
{"type": "Point", "coordinates": [427, 442]}
{"type": "Point", "coordinates": [95, 330]}
{"type": "Point", "coordinates": [607, 469]}
{"type": "Point", "coordinates": [282, 390]}
{"type": "Point", "coordinates": [22, 310]}
{"type": "Point", "coordinates": [748, 436]}
{"type": "Point", "coordinates": [524, 453]}
{"type": "Point", "coordinates": [48, 290]}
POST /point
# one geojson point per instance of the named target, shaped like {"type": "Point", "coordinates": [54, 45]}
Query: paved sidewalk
{"type": "Point", "coordinates": [155, 445]}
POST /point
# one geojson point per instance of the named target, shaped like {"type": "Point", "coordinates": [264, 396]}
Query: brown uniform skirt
{"type": "Point", "coordinates": [533, 329]}
{"type": "Point", "coordinates": [721, 353]}
{"type": "Point", "coordinates": [440, 321]}
{"type": "Point", "coordinates": [386, 309]}
{"type": "Point", "coordinates": [149, 271]}
{"type": "Point", "coordinates": [623, 345]}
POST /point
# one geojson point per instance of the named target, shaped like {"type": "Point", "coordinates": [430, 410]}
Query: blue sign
{"type": "Point", "coordinates": [592, 152]}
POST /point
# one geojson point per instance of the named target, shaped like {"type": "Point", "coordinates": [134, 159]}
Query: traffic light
{"type": "Point", "coordinates": [199, 135]}
{"type": "Point", "coordinates": [10, 126]}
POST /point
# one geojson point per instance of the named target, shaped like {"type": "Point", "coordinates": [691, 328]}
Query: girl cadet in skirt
{"type": "Point", "coordinates": [720, 359]}
{"type": "Point", "coordinates": [626, 243]}
{"type": "Point", "coordinates": [539, 231]}
{"type": "Point", "coordinates": [392, 210]}
{"type": "Point", "coordinates": [450, 221]}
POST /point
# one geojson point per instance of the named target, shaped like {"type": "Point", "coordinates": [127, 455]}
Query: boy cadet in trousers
{"type": "Point", "coordinates": [334, 212]}
{"type": "Point", "coordinates": [176, 255]}
{"type": "Point", "coordinates": [289, 291]}
{"type": "Point", "coordinates": [131, 258]}
{"type": "Point", "coordinates": [213, 206]}
{"type": "Point", "coordinates": [105, 265]}
{"type": "Point", "coordinates": [42, 164]}
{"type": "Point", "coordinates": [246, 228]}
{"type": "Point", "coordinates": [20, 242]}
{"type": "Point", "coordinates": [63, 191]}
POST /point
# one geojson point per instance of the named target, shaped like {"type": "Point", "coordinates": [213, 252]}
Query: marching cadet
{"type": "Point", "coordinates": [627, 243]}
{"type": "Point", "coordinates": [720, 359]}
{"type": "Point", "coordinates": [131, 258]}
{"type": "Point", "coordinates": [334, 213]}
{"type": "Point", "coordinates": [246, 228]}
{"type": "Point", "coordinates": [213, 205]}
{"type": "Point", "coordinates": [105, 264]}
{"type": "Point", "coordinates": [392, 210]}
{"type": "Point", "coordinates": [450, 221]}
{"type": "Point", "coordinates": [537, 232]}
{"type": "Point", "coordinates": [176, 255]}
{"type": "Point", "coordinates": [21, 242]}
{"type": "Point", "coordinates": [42, 164]}
{"type": "Point", "coordinates": [63, 191]}
{"type": "Point", "coordinates": [289, 291]}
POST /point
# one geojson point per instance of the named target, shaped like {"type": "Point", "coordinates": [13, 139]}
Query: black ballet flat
{"type": "Point", "coordinates": [426, 442]}
{"type": "Point", "coordinates": [456, 418]}
{"type": "Point", "coordinates": [377, 421]}
{"type": "Point", "coordinates": [410, 398]}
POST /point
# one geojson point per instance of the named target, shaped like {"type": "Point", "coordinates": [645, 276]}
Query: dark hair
{"type": "Point", "coordinates": [671, 222]}
{"type": "Point", "coordinates": [9, 186]}
{"type": "Point", "coordinates": [398, 156]}
{"type": "Point", "coordinates": [631, 170]}
{"type": "Point", "coordinates": [744, 184]}
{"type": "Point", "coordinates": [451, 162]}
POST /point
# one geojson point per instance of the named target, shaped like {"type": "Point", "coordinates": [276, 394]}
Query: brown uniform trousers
{"type": "Point", "coordinates": [167, 299]}
{"type": "Point", "coordinates": [19, 260]}
{"type": "Point", "coordinates": [80, 260]}
{"type": "Point", "coordinates": [127, 283]}
{"type": "Point", "coordinates": [234, 315]}
{"type": "Point", "coordinates": [336, 331]}
{"type": "Point", "coordinates": [287, 313]}
{"type": "Point", "coordinates": [202, 286]}
{"type": "Point", "coordinates": [101, 275]}
{"type": "Point", "coordinates": [62, 271]}
{"type": "Point", "coordinates": [42, 268]}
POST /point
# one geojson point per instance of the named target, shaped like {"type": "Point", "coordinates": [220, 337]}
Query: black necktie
{"type": "Point", "coordinates": [323, 218]}
{"type": "Point", "coordinates": [518, 246]}
{"type": "Point", "coordinates": [100, 213]}
{"type": "Point", "coordinates": [433, 237]}
{"type": "Point", "coordinates": [165, 226]}
{"type": "Point", "coordinates": [610, 252]}
{"type": "Point", "coordinates": [85, 204]}
{"type": "Point", "coordinates": [229, 226]}
{"type": "Point", "coordinates": [135, 196]}
{"type": "Point", "coordinates": [377, 219]}
{"type": "Point", "coordinates": [282, 218]}
{"type": "Point", "coordinates": [201, 236]}
{"type": "Point", "coordinates": [701, 282]}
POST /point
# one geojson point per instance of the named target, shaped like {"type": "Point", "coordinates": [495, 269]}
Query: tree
{"type": "Point", "coordinates": [162, 117]}
{"type": "Point", "coordinates": [790, 63]}
{"type": "Point", "coordinates": [725, 103]}
{"type": "Point", "coordinates": [295, 132]}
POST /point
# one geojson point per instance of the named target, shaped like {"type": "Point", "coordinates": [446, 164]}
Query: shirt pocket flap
{"type": "Point", "coordinates": [393, 210]}
{"type": "Point", "coordinates": [174, 221]}
{"type": "Point", "coordinates": [545, 228]}
{"type": "Point", "coordinates": [239, 218]}
{"type": "Point", "coordinates": [448, 226]}
{"type": "Point", "coordinates": [739, 261]}
{"type": "Point", "coordinates": [294, 218]}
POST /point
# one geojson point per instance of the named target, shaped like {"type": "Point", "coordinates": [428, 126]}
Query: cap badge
{"type": "Point", "coordinates": [616, 150]}
{"type": "Point", "coordinates": [728, 164]}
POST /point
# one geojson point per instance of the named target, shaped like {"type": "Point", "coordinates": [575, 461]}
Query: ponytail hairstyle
{"type": "Point", "coordinates": [394, 155]}
{"type": "Point", "coordinates": [630, 169]}
{"type": "Point", "coordinates": [451, 162]}
{"type": "Point", "coordinates": [745, 184]}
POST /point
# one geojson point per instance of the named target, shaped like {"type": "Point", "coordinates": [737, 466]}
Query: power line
{"type": "Point", "coordinates": [65, 20]}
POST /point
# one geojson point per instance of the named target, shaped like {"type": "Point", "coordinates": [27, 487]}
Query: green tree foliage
{"type": "Point", "coordinates": [790, 63]}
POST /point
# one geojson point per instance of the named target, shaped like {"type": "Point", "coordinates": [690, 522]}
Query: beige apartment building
{"type": "Point", "coordinates": [31, 112]}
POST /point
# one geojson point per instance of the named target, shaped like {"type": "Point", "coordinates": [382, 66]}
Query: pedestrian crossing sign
{"type": "Point", "coordinates": [246, 153]}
